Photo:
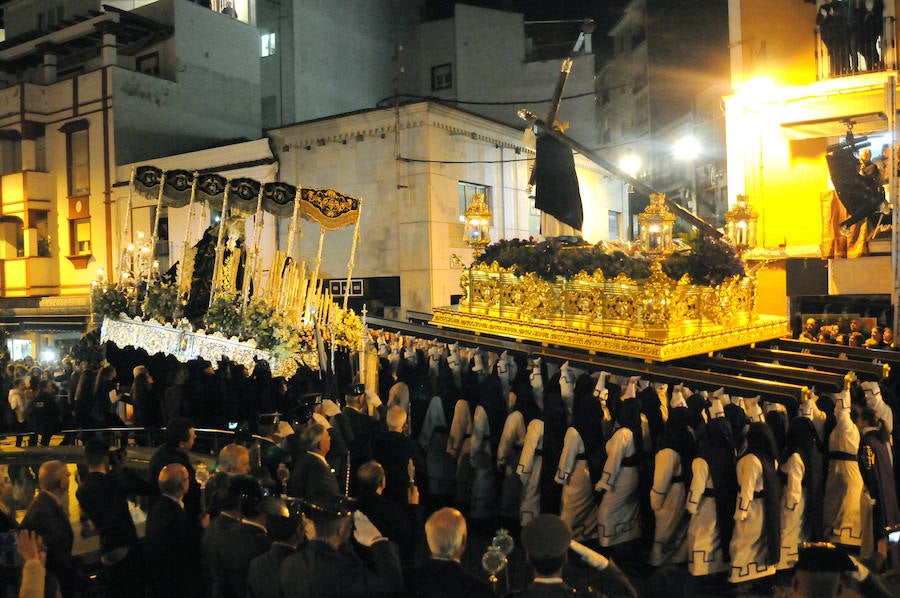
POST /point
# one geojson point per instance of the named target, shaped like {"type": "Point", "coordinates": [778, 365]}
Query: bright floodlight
{"type": "Point", "coordinates": [48, 355]}
{"type": "Point", "coordinates": [631, 164]}
{"type": "Point", "coordinates": [687, 148]}
{"type": "Point", "coordinates": [756, 89]}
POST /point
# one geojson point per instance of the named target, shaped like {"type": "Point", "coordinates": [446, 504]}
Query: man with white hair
{"type": "Point", "coordinates": [442, 576]}
{"type": "Point", "coordinates": [234, 459]}
{"type": "Point", "coordinates": [395, 451]}
{"type": "Point", "coordinates": [312, 476]}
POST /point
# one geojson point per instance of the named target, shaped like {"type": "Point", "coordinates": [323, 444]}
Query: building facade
{"type": "Point", "coordinates": [795, 101]}
{"type": "Point", "coordinates": [662, 84]}
{"type": "Point", "coordinates": [80, 96]}
{"type": "Point", "coordinates": [415, 169]}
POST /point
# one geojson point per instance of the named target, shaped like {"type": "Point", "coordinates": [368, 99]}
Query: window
{"type": "Point", "coordinates": [49, 18]}
{"type": "Point", "coordinates": [37, 219]}
{"type": "Point", "coordinates": [148, 64]}
{"type": "Point", "coordinates": [267, 41]}
{"type": "Point", "coordinates": [466, 191]}
{"type": "Point", "coordinates": [441, 77]}
{"type": "Point", "coordinates": [77, 162]}
{"type": "Point", "coordinates": [10, 155]}
{"type": "Point", "coordinates": [614, 218]}
{"type": "Point", "coordinates": [534, 218]}
{"type": "Point", "coordinates": [80, 235]}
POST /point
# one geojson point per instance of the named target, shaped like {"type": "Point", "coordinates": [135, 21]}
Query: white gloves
{"type": "Point", "coordinates": [591, 558]}
{"type": "Point", "coordinates": [365, 531]}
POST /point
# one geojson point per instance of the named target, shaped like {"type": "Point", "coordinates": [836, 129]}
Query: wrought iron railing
{"type": "Point", "coordinates": [842, 51]}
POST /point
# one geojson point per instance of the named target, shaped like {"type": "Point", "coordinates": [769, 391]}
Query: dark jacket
{"type": "Point", "coordinates": [173, 551]}
{"type": "Point", "coordinates": [364, 429]}
{"type": "Point", "coordinates": [317, 570]}
{"type": "Point", "coordinates": [47, 517]}
{"type": "Point", "coordinates": [104, 499]}
{"type": "Point", "coordinates": [312, 477]}
{"type": "Point", "coordinates": [444, 579]}
{"type": "Point", "coordinates": [45, 414]}
{"type": "Point", "coordinates": [394, 450]}
{"type": "Point", "coordinates": [165, 455]}
{"type": "Point", "coordinates": [231, 558]}
{"type": "Point", "coordinates": [213, 537]}
{"type": "Point", "coordinates": [610, 582]}
{"type": "Point", "coordinates": [263, 575]}
{"type": "Point", "coordinates": [402, 524]}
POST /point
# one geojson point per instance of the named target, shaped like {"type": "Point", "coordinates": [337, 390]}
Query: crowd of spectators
{"type": "Point", "coordinates": [372, 497]}
{"type": "Point", "coordinates": [851, 333]}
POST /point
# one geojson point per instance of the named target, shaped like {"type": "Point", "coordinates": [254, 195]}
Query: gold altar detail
{"type": "Point", "coordinates": [656, 318]}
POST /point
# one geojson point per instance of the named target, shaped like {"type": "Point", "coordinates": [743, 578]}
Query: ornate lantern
{"type": "Point", "coordinates": [478, 224]}
{"type": "Point", "coordinates": [655, 224]}
{"type": "Point", "coordinates": [740, 224]}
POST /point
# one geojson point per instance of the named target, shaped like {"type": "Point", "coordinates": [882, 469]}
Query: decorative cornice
{"type": "Point", "coordinates": [384, 131]}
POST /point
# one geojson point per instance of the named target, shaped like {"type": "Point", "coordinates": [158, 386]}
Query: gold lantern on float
{"type": "Point", "coordinates": [478, 224]}
{"type": "Point", "coordinates": [740, 224]}
{"type": "Point", "coordinates": [655, 225]}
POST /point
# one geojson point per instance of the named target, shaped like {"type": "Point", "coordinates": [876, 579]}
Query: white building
{"type": "Point", "coordinates": [493, 56]}
{"type": "Point", "coordinates": [415, 170]}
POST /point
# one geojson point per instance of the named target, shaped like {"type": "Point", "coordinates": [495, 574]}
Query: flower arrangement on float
{"type": "Point", "coordinates": [657, 299]}
{"type": "Point", "coordinates": [216, 303]}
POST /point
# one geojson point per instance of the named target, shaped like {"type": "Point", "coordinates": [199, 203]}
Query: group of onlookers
{"type": "Point", "coordinates": [855, 334]}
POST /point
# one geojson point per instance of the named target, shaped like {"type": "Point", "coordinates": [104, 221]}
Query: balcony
{"type": "Point", "coordinates": [29, 277]}
{"type": "Point", "coordinates": [872, 49]}
{"type": "Point", "coordinates": [18, 188]}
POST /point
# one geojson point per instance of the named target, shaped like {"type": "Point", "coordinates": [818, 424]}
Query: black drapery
{"type": "Point", "coordinates": [557, 191]}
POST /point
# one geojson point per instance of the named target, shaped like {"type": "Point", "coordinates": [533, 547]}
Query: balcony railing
{"type": "Point", "coordinates": [841, 52]}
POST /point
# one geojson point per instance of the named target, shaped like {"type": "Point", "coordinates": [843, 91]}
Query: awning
{"type": "Point", "coordinates": [868, 123]}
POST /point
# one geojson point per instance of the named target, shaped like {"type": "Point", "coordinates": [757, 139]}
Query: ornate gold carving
{"type": "Point", "coordinates": [655, 318]}
{"type": "Point", "coordinates": [695, 342]}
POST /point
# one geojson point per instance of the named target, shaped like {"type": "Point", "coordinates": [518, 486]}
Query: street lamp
{"type": "Point", "coordinates": [478, 224]}
{"type": "Point", "coordinates": [687, 148]}
{"type": "Point", "coordinates": [631, 164]}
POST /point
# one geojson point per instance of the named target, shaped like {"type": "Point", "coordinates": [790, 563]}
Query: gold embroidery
{"type": "Point", "coordinates": [869, 461]}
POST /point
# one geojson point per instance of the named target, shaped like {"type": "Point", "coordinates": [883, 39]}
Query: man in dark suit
{"type": "Point", "coordinates": [171, 542]}
{"type": "Point", "coordinates": [442, 576]}
{"type": "Point", "coordinates": [46, 516]}
{"type": "Point", "coordinates": [102, 495]}
{"type": "Point", "coordinates": [228, 517]}
{"type": "Point", "coordinates": [327, 567]}
{"type": "Point", "coordinates": [395, 450]}
{"type": "Point", "coordinates": [312, 477]}
{"type": "Point", "coordinates": [245, 541]}
{"type": "Point", "coordinates": [45, 414]}
{"type": "Point", "coordinates": [286, 532]}
{"type": "Point", "coordinates": [547, 540]}
{"type": "Point", "coordinates": [179, 439]}
{"type": "Point", "coordinates": [234, 459]}
{"type": "Point", "coordinates": [402, 523]}
{"type": "Point", "coordinates": [364, 429]}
